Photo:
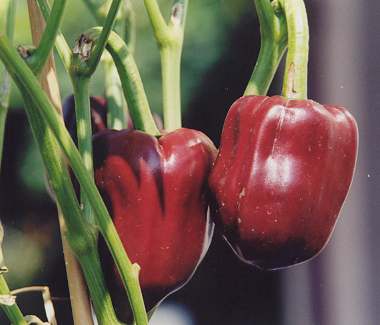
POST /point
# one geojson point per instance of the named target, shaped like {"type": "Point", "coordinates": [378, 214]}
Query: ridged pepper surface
{"type": "Point", "coordinates": [157, 193]}
{"type": "Point", "coordinates": [281, 176]}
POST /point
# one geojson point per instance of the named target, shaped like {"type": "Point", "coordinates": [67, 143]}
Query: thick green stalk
{"type": "Point", "coordinates": [169, 37]}
{"type": "Point", "coordinates": [61, 45]}
{"type": "Point", "coordinates": [80, 234]}
{"type": "Point", "coordinates": [13, 313]}
{"type": "Point", "coordinates": [273, 45]}
{"type": "Point", "coordinates": [130, 80]}
{"type": "Point", "coordinates": [84, 134]}
{"type": "Point", "coordinates": [171, 87]}
{"type": "Point", "coordinates": [129, 272]}
{"type": "Point", "coordinates": [295, 78]}
{"type": "Point", "coordinates": [41, 54]}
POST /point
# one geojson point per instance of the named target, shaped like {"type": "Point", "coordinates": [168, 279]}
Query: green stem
{"type": "Point", "coordinates": [84, 134]}
{"type": "Point", "coordinates": [130, 26]}
{"type": "Point", "coordinates": [116, 115]}
{"type": "Point", "coordinates": [87, 66]}
{"type": "Point", "coordinates": [61, 44]}
{"type": "Point", "coordinates": [169, 37]}
{"type": "Point", "coordinates": [295, 78]}
{"type": "Point", "coordinates": [273, 45]}
{"type": "Point", "coordinates": [131, 82]}
{"type": "Point", "coordinates": [129, 272]}
{"type": "Point", "coordinates": [13, 313]}
{"type": "Point", "coordinates": [41, 54]}
{"type": "Point", "coordinates": [80, 234]}
{"type": "Point", "coordinates": [171, 87]}
{"type": "Point", "coordinates": [160, 28]}
{"type": "Point", "coordinates": [124, 22]}
{"type": "Point", "coordinates": [101, 298]}
{"type": "Point", "coordinates": [116, 105]}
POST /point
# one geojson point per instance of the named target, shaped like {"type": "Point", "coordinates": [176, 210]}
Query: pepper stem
{"type": "Point", "coordinates": [84, 134]}
{"type": "Point", "coordinates": [169, 37]}
{"type": "Point", "coordinates": [295, 77]}
{"type": "Point", "coordinates": [273, 45]}
{"type": "Point", "coordinates": [131, 82]}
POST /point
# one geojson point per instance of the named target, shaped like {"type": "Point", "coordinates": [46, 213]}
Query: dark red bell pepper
{"type": "Point", "coordinates": [157, 194]}
{"type": "Point", "coordinates": [283, 171]}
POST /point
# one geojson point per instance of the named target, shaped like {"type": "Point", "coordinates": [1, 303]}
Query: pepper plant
{"type": "Point", "coordinates": [136, 195]}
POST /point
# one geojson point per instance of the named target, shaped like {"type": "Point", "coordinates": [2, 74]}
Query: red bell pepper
{"type": "Point", "coordinates": [281, 176]}
{"type": "Point", "coordinates": [285, 163]}
{"type": "Point", "coordinates": [156, 192]}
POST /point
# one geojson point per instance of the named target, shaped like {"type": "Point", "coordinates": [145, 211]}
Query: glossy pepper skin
{"type": "Point", "coordinates": [157, 194]}
{"type": "Point", "coordinates": [281, 176]}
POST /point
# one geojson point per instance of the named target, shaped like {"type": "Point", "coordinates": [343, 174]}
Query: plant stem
{"type": "Point", "coordinates": [129, 272]}
{"type": "Point", "coordinates": [273, 45]}
{"type": "Point", "coordinates": [130, 26]}
{"type": "Point", "coordinates": [41, 54]}
{"type": "Point", "coordinates": [131, 82]}
{"type": "Point", "coordinates": [169, 37]}
{"type": "Point", "coordinates": [124, 22]}
{"type": "Point", "coordinates": [171, 88]}
{"type": "Point", "coordinates": [105, 314]}
{"type": "Point", "coordinates": [101, 298]}
{"type": "Point", "coordinates": [80, 234]}
{"type": "Point", "coordinates": [116, 115]}
{"type": "Point", "coordinates": [13, 313]}
{"type": "Point", "coordinates": [61, 45]}
{"type": "Point", "coordinates": [116, 105]}
{"type": "Point", "coordinates": [80, 303]}
{"type": "Point", "coordinates": [84, 134]}
{"type": "Point", "coordinates": [295, 78]}
{"type": "Point", "coordinates": [87, 66]}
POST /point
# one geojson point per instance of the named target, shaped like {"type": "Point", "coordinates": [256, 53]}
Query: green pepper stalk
{"type": "Point", "coordinates": [295, 78]}
{"type": "Point", "coordinates": [116, 106]}
{"type": "Point", "coordinates": [89, 259]}
{"type": "Point", "coordinates": [169, 37]}
{"type": "Point", "coordinates": [273, 34]}
{"type": "Point", "coordinates": [61, 45]}
{"type": "Point", "coordinates": [130, 80]}
{"type": "Point", "coordinates": [128, 271]}
{"type": "Point", "coordinates": [124, 26]}
{"type": "Point", "coordinates": [85, 59]}
{"type": "Point", "coordinates": [39, 56]}
{"type": "Point", "coordinates": [80, 234]}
